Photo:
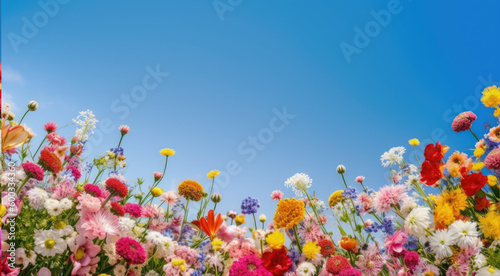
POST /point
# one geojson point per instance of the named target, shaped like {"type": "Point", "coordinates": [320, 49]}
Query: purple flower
{"type": "Point", "coordinates": [249, 206]}
{"type": "Point", "coordinates": [350, 192]}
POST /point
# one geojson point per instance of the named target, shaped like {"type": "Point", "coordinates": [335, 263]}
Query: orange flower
{"type": "Point", "coordinates": [211, 225]}
{"type": "Point", "coordinates": [456, 161]}
{"type": "Point", "coordinates": [348, 243]}
{"type": "Point", "coordinates": [191, 190]}
{"type": "Point", "coordinates": [289, 213]}
{"type": "Point", "coordinates": [13, 137]}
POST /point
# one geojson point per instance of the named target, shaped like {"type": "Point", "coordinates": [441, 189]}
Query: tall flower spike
{"type": "Point", "coordinates": [211, 224]}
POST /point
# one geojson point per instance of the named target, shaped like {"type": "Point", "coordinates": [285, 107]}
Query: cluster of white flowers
{"type": "Point", "coordinates": [87, 123]}
{"type": "Point", "coordinates": [393, 156]}
{"type": "Point", "coordinates": [306, 269]}
{"type": "Point", "coordinates": [299, 183]}
{"type": "Point", "coordinates": [55, 207]}
{"type": "Point", "coordinates": [460, 233]}
{"type": "Point", "coordinates": [165, 246]}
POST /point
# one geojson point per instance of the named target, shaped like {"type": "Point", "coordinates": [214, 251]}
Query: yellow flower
{"type": "Point", "coordinates": [276, 240]}
{"type": "Point", "coordinates": [310, 249]}
{"type": "Point", "coordinates": [478, 152]}
{"type": "Point", "coordinates": [289, 213]}
{"type": "Point", "coordinates": [491, 96]}
{"type": "Point", "coordinates": [111, 154]}
{"type": "Point", "coordinates": [456, 200]}
{"type": "Point", "coordinates": [492, 180]}
{"type": "Point", "coordinates": [335, 198]}
{"type": "Point", "coordinates": [180, 263]}
{"type": "Point", "coordinates": [239, 219]}
{"type": "Point", "coordinates": [490, 224]}
{"type": "Point", "coordinates": [443, 216]}
{"type": "Point", "coordinates": [191, 190]}
{"type": "Point", "coordinates": [156, 192]}
{"type": "Point", "coordinates": [477, 166]}
{"type": "Point", "coordinates": [103, 274]}
{"type": "Point", "coordinates": [3, 210]}
{"type": "Point", "coordinates": [167, 152]}
{"type": "Point", "coordinates": [262, 218]}
{"type": "Point", "coordinates": [414, 142]}
{"type": "Point", "coordinates": [216, 244]}
{"type": "Point", "coordinates": [213, 174]}
{"type": "Point", "coordinates": [60, 224]}
{"type": "Point", "coordinates": [497, 112]}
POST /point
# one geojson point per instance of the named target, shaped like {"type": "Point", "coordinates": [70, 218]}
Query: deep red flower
{"type": "Point", "coordinates": [117, 187]}
{"type": "Point", "coordinates": [336, 264]}
{"type": "Point", "coordinates": [117, 209]}
{"type": "Point", "coordinates": [481, 202]}
{"type": "Point", "coordinates": [49, 161]}
{"type": "Point", "coordinates": [327, 247]}
{"type": "Point", "coordinates": [431, 172]}
{"type": "Point", "coordinates": [276, 261]}
{"type": "Point", "coordinates": [435, 152]}
{"type": "Point", "coordinates": [472, 183]}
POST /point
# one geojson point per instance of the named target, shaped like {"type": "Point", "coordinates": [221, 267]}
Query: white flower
{"type": "Point", "coordinates": [152, 273]}
{"type": "Point", "coordinates": [37, 197]}
{"type": "Point", "coordinates": [22, 257]}
{"type": "Point", "coordinates": [408, 205]}
{"type": "Point", "coordinates": [109, 251]}
{"type": "Point", "coordinates": [120, 270]}
{"type": "Point", "coordinates": [53, 206]}
{"type": "Point", "coordinates": [66, 231]}
{"type": "Point", "coordinates": [154, 236]}
{"type": "Point", "coordinates": [48, 243]}
{"type": "Point", "coordinates": [66, 203]}
{"type": "Point", "coordinates": [488, 271]}
{"type": "Point", "coordinates": [480, 261]}
{"type": "Point", "coordinates": [125, 226]}
{"type": "Point", "coordinates": [306, 269]}
{"type": "Point", "coordinates": [29, 130]}
{"type": "Point", "coordinates": [440, 244]}
{"type": "Point", "coordinates": [465, 232]}
{"type": "Point", "coordinates": [393, 156]}
{"type": "Point", "coordinates": [411, 181]}
{"type": "Point", "coordinates": [86, 122]}
{"type": "Point", "coordinates": [417, 220]}
{"type": "Point", "coordinates": [299, 182]}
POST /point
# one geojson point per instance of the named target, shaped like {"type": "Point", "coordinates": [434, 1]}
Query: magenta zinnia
{"type": "Point", "coordinates": [130, 250]}
{"type": "Point", "coordinates": [33, 170]}
{"type": "Point", "coordinates": [249, 265]}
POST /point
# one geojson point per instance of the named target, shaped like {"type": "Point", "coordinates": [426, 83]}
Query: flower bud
{"type": "Point", "coordinates": [216, 198]}
{"type": "Point", "coordinates": [33, 105]}
{"type": "Point", "coordinates": [240, 219]}
{"type": "Point", "coordinates": [341, 169]}
{"type": "Point", "coordinates": [205, 194]}
{"type": "Point", "coordinates": [262, 218]}
{"type": "Point", "coordinates": [138, 195]}
{"type": "Point", "coordinates": [156, 192]}
{"type": "Point", "coordinates": [10, 116]}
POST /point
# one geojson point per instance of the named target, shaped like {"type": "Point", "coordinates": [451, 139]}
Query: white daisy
{"type": "Point", "coordinates": [299, 182]}
{"type": "Point", "coordinates": [417, 220]}
{"type": "Point", "coordinates": [48, 243]}
{"type": "Point", "coordinates": [393, 156]}
{"type": "Point", "coordinates": [306, 269]}
{"type": "Point", "coordinates": [440, 244]}
{"type": "Point", "coordinates": [120, 270]}
{"type": "Point", "coordinates": [37, 197]}
{"type": "Point", "coordinates": [408, 205]}
{"type": "Point", "coordinates": [488, 271]}
{"type": "Point", "coordinates": [53, 206]}
{"type": "Point", "coordinates": [465, 232]}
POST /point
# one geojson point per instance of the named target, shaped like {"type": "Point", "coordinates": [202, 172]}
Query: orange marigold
{"type": "Point", "coordinates": [191, 190]}
{"type": "Point", "coordinates": [443, 216]}
{"type": "Point", "coordinates": [289, 213]}
{"type": "Point", "coordinates": [50, 162]}
{"type": "Point", "coordinates": [456, 200]}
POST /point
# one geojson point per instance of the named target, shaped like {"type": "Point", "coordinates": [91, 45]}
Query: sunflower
{"type": "Point", "coordinates": [191, 190]}
{"type": "Point", "coordinates": [289, 213]}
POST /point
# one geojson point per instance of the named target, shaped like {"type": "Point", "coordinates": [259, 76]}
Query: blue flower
{"type": "Point", "coordinates": [350, 192]}
{"type": "Point", "coordinates": [412, 243]}
{"type": "Point", "coordinates": [118, 151]}
{"type": "Point", "coordinates": [294, 255]}
{"type": "Point", "coordinates": [249, 206]}
{"type": "Point", "coordinates": [387, 226]}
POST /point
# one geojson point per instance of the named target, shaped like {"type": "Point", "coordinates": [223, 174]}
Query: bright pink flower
{"type": "Point", "coordinates": [277, 195]}
{"type": "Point", "coordinates": [33, 170]}
{"type": "Point", "coordinates": [50, 127]}
{"type": "Point", "coordinates": [134, 210]}
{"type": "Point", "coordinates": [249, 265]}
{"type": "Point", "coordinates": [93, 189]}
{"type": "Point", "coordinates": [411, 260]}
{"type": "Point", "coordinates": [394, 244]}
{"type": "Point", "coordinates": [86, 264]}
{"type": "Point", "coordinates": [124, 129]}
{"type": "Point", "coordinates": [74, 171]}
{"type": "Point", "coordinates": [157, 176]}
{"type": "Point", "coordinates": [98, 224]}
{"type": "Point", "coordinates": [350, 272]}
{"type": "Point", "coordinates": [360, 179]}
{"type": "Point", "coordinates": [56, 139]}
{"type": "Point", "coordinates": [463, 121]}
{"type": "Point", "coordinates": [6, 269]}
{"type": "Point", "coordinates": [130, 250]}
{"type": "Point", "coordinates": [170, 197]}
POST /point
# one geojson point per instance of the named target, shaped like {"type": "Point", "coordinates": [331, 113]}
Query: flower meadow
{"type": "Point", "coordinates": [66, 215]}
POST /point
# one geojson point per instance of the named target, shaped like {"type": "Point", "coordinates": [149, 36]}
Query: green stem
{"type": "Point", "coordinates": [23, 116]}
{"type": "Point", "coordinates": [474, 134]}
{"type": "Point", "coordinates": [297, 240]}
{"type": "Point", "coordinates": [44, 138]}
{"type": "Point", "coordinates": [254, 221]}
{"type": "Point", "coordinates": [184, 218]}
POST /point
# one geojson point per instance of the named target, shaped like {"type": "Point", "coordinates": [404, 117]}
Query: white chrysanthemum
{"type": "Point", "coordinates": [152, 273]}
{"type": "Point", "coordinates": [408, 205]}
{"type": "Point", "coordinates": [53, 206]}
{"type": "Point", "coordinates": [393, 156]}
{"type": "Point", "coordinates": [480, 261]}
{"type": "Point", "coordinates": [86, 122]}
{"type": "Point", "coordinates": [48, 243]}
{"type": "Point", "coordinates": [488, 271]}
{"type": "Point", "coordinates": [465, 232]}
{"type": "Point", "coordinates": [120, 270]}
{"type": "Point", "coordinates": [417, 220]}
{"type": "Point", "coordinates": [37, 197]}
{"type": "Point", "coordinates": [110, 252]}
{"type": "Point", "coordinates": [299, 182]}
{"type": "Point", "coordinates": [412, 181]}
{"type": "Point", "coordinates": [154, 236]}
{"type": "Point", "coordinates": [66, 203]}
{"type": "Point", "coordinates": [342, 207]}
{"type": "Point", "coordinates": [440, 244]}
{"type": "Point", "coordinates": [125, 226]}
{"type": "Point", "coordinates": [165, 247]}
{"type": "Point", "coordinates": [306, 269]}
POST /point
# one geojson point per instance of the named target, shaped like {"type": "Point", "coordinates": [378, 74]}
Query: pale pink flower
{"type": "Point", "coordinates": [360, 179]}
{"type": "Point", "coordinates": [226, 233]}
{"type": "Point", "coordinates": [277, 195]}
{"type": "Point", "coordinates": [152, 211]}
{"type": "Point", "coordinates": [63, 190]}
{"type": "Point", "coordinates": [88, 263]}
{"type": "Point", "coordinates": [365, 202]}
{"type": "Point", "coordinates": [309, 230]}
{"type": "Point", "coordinates": [157, 175]}
{"type": "Point", "coordinates": [88, 203]}
{"type": "Point", "coordinates": [388, 196]}
{"type": "Point", "coordinates": [98, 224]}
{"type": "Point", "coordinates": [124, 129]}
{"type": "Point", "coordinates": [323, 219]}
{"type": "Point", "coordinates": [170, 197]}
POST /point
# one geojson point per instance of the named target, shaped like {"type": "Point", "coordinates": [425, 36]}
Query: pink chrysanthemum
{"type": "Point", "coordinates": [88, 203]}
{"type": "Point", "coordinates": [309, 230]}
{"type": "Point", "coordinates": [33, 170]}
{"type": "Point", "coordinates": [134, 210]}
{"type": "Point", "coordinates": [277, 195]}
{"type": "Point", "coordinates": [170, 197]}
{"type": "Point", "coordinates": [50, 127]}
{"type": "Point", "coordinates": [249, 265]}
{"type": "Point", "coordinates": [350, 272]}
{"type": "Point", "coordinates": [99, 224]}
{"type": "Point", "coordinates": [369, 261]}
{"type": "Point", "coordinates": [64, 189]}
{"type": "Point", "coordinates": [411, 260]}
{"type": "Point", "coordinates": [187, 254]}
{"type": "Point", "coordinates": [492, 161]}
{"type": "Point", "coordinates": [360, 179]}
{"type": "Point", "coordinates": [124, 129]}
{"type": "Point", "coordinates": [388, 196]}
{"type": "Point", "coordinates": [463, 121]}
{"type": "Point", "coordinates": [56, 139]}
{"type": "Point", "coordinates": [74, 171]}
{"type": "Point", "coordinates": [93, 189]}
{"type": "Point", "coordinates": [130, 250]}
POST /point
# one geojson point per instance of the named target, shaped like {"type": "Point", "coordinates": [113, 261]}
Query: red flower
{"type": "Point", "coordinates": [336, 264]}
{"type": "Point", "coordinates": [472, 183]}
{"type": "Point", "coordinates": [435, 152]}
{"type": "Point", "coordinates": [211, 224]}
{"type": "Point", "coordinates": [276, 261]}
{"type": "Point", "coordinates": [431, 172]}
{"type": "Point", "coordinates": [482, 202]}
{"type": "Point", "coordinates": [117, 209]}
{"type": "Point", "coordinates": [49, 161]}
{"type": "Point", "coordinates": [117, 187]}
{"type": "Point", "coordinates": [327, 247]}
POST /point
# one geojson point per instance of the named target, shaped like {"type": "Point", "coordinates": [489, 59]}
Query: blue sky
{"type": "Point", "coordinates": [225, 68]}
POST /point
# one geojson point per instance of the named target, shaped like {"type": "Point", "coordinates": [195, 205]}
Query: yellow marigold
{"type": "Point", "coordinates": [443, 216]}
{"type": "Point", "coordinates": [335, 198]}
{"type": "Point", "coordinates": [478, 152]}
{"type": "Point", "coordinates": [216, 244]}
{"type": "Point", "coordinates": [455, 199]}
{"type": "Point", "coordinates": [167, 152]}
{"type": "Point", "coordinates": [490, 224]}
{"type": "Point", "coordinates": [213, 174]}
{"type": "Point", "coordinates": [491, 96]}
{"type": "Point", "coordinates": [289, 213]}
{"type": "Point", "coordinates": [191, 190]}
{"type": "Point", "coordinates": [239, 219]}
{"type": "Point", "coordinates": [492, 180]}
{"type": "Point", "coordinates": [275, 240]}
{"type": "Point", "coordinates": [156, 192]}
{"type": "Point", "coordinates": [477, 166]}
{"type": "Point", "coordinates": [310, 249]}
{"type": "Point", "coordinates": [414, 142]}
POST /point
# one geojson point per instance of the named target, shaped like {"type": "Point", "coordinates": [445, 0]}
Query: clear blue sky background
{"type": "Point", "coordinates": [227, 76]}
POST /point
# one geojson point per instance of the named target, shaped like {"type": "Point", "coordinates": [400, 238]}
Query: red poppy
{"type": "Point", "coordinates": [430, 173]}
{"type": "Point", "coordinates": [482, 202]}
{"type": "Point", "coordinates": [276, 261]}
{"type": "Point", "coordinates": [435, 152]}
{"type": "Point", "coordinates": [211, 225]}
{"type": "Point", "coordinates": [472, 183]}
